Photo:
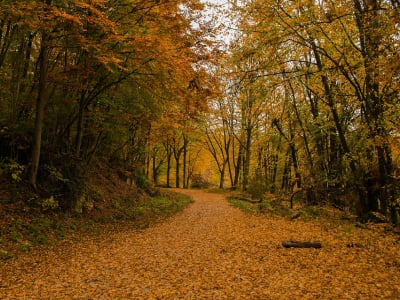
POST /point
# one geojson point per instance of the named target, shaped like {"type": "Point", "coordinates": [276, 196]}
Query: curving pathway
{"type": "Point", "coordinates": [209, 251]}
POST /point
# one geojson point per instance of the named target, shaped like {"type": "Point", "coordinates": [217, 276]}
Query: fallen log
{"type": "Point", "coordinates": [301, 244]}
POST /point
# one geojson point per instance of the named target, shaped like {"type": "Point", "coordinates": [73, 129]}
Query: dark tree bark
{"type": "Point", "coordinates": [185, 145]}
{"type": "Point", "coordinates": [169, 152]}
{"type": "Point", "coordinates": [247, 157]}
{"type": "Point", "coordinates": [177, 150]}
{"type": "Point", "coordinates": [157, 165]}
{"type": "Point", "coordinates": [80, 124]}
{"type": "Point", "coordinates": [40, 107]}
{"type": "Point", "coordinates": [238, 166]}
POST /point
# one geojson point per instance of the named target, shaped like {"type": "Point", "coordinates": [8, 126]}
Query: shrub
{"type": "Point", "coordinates": [199, 182]}
{"type": "Point", "coordinates": [256, 187]}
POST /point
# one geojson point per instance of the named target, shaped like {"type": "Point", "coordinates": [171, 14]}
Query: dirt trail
{"type": "Point", "coordinates": [209, 251]}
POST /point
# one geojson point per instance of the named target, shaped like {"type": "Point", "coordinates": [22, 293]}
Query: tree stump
{"type": "Point", "coordinates": [301, 244]}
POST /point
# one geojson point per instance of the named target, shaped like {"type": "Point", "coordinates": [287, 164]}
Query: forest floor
{"type": "Point", "coordinates": [212, 250]}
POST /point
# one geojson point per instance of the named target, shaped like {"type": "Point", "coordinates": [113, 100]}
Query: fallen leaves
{"type": "Point", "coordinates": [212, 251]}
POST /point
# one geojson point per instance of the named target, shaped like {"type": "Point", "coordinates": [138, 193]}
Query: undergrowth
{"type": "Point", "coordinates": [271, 205]}
{"type": "Point", "coordinates": [24, 232]}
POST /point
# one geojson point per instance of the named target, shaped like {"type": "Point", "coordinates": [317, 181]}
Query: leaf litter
{"type": "Point", "coordinates": [212, 251]}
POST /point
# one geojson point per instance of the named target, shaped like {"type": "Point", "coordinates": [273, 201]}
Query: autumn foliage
{"type": "Point", "coordinates": [310, 109]}
{"type": "Point", "coordinates": [83, 80]}
{"type": "Point", "coordinates": [303, 103]}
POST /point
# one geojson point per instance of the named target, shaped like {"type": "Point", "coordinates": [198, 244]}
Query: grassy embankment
{"type": "Point", "coordinates": [26, 224]}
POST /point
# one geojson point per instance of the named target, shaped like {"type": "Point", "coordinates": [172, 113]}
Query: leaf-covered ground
{"type": "Point", "coordinates": [212, 251]}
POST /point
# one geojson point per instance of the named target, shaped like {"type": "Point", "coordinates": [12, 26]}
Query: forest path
{"type": "Point", "coordinates": [208, 251]}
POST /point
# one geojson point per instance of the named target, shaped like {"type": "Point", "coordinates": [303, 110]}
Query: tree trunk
{"type": "Point", "coordinates": [238, 166]}
{"type": "Point", "coordinates": [177, 151]}
{"type": "Point", "coordinates": [228, 158]}
{"type": "Point", "coordinates": [293, 150]}
{"type": "Point", "coordinates": [79, 127]}
{"type": "Point", "coordinates": [169, 155]}
{"type": "Point", "coordinates": [168, 150]}
{"type": "Point", "coordinates": [185, 144]}
{"type": "Point", "coordinates": [286, 171]}
{"type": "Point", "coordinates": [155, 175]}
{"type": "Point", "coordinates": [274, 172]}
{"type": "Point", "coordinates": [147, 170]}
{"type": "Point", "coordinates": [222, 175]}
{"type": "Point", "coordinates": [246, 160]}
{"type": "Point", "coordinates": [231, 165]}
{"type": "Point", "coordinates": [177, 167]}
{"type": "Point", "coordinates": [40, 109]}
